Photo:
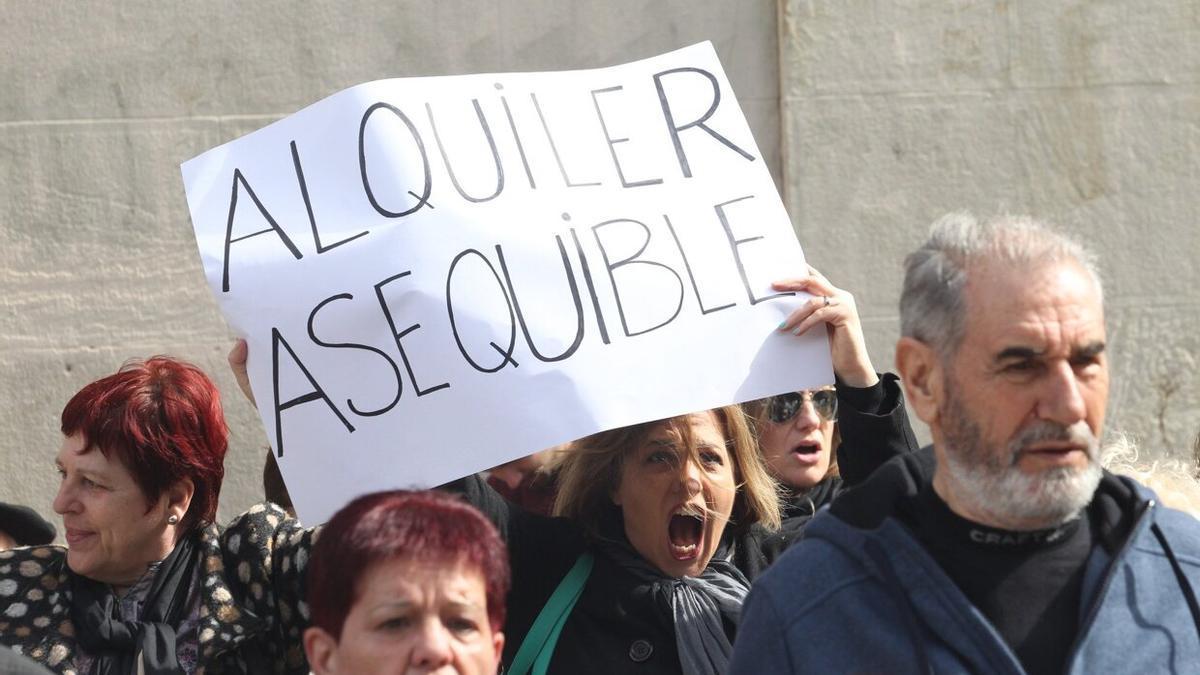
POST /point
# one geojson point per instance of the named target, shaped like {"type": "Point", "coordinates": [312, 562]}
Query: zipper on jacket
{"type": "Point", "coordinates": [1098, 599]}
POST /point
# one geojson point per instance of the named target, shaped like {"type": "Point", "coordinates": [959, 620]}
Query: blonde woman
{"type": "Point", "coordinates": [649, 519]}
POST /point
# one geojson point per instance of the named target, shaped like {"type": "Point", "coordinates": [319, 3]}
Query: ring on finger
{"type": "Point", "coordinates": [826, 299]}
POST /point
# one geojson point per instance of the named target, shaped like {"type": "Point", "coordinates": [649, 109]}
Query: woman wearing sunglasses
{"type": "Point", "coordinates": [819, 441]}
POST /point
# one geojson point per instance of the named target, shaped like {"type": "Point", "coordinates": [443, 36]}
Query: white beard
{"type": "Point", "coordinates": [990, 482]}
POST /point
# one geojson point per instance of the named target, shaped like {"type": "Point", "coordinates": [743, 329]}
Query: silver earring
{"type": "Point", "coordinates": [172, 519]}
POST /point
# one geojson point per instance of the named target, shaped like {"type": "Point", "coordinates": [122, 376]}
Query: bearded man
{"type": "Point", "coordinates": [1005, 549]}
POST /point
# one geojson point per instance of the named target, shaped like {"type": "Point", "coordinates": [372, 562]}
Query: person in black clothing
{"type": "Point", "coordinates": [657, 513]}
{"type": "Point", "coordinates": [798, 432]}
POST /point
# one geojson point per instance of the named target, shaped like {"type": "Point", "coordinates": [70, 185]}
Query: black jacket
{"type": "Point", "coordinates": [621, 624]}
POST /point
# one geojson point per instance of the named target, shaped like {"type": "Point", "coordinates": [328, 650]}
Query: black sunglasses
{"type": "Point", "coordinates": [785, 406]}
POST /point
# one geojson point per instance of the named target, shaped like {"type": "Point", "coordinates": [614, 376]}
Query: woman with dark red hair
{"type": "Point", "coordinates": [148, 584]}
{"type": "Point", "coordinates": [407, 582]}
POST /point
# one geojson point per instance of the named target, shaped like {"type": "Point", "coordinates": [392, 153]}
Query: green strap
{"type": "Point", "coordinates": [538, 646]}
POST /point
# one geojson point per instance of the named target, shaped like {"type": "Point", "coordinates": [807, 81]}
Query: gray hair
{"type": "Point", "coordinates": [932, 304]}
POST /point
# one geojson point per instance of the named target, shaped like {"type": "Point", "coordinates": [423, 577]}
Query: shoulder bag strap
{"type": "Point", "coordinates": [538, 646]}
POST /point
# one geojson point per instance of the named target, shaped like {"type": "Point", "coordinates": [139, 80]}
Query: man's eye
{"type": "Point", "coordinates": [1020, 367]}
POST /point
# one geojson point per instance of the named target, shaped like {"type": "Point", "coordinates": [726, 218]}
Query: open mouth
{"type": "Point", "coordinates": [685, 532]}
{"type": "Point", "coordinates": [807, 452]}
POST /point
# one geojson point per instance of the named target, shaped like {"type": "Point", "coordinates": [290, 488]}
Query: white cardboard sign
{"type": "Point", "coordinates": [437, 275]}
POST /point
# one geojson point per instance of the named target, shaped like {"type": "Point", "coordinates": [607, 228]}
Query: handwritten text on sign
{"type": "Point", "coordinates": [437, 275]}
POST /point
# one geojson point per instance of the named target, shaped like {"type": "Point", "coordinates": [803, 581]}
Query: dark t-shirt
{"type": "Point", "coordinates": [1028, 584]}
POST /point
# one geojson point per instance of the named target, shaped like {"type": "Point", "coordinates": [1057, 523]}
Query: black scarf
{"type": "Point", "coordinates": [805, 503]}
{"type": "Point", "coordinates": [700, 605]}
{"type": "Point", "coordinates": [115, 643]}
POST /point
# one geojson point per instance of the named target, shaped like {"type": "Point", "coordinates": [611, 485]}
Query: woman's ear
{"type": "Point", "coordinates": [321, 649]}
{"type": "Point", "coordinates": [498, 645]}
{"type": "Point", "coordinates": [921, 373]}
{"type": "Point", "coordinates": [179, 499]}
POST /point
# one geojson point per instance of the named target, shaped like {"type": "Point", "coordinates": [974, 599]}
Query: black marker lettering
{"type": "Point", "coordinates": [487, 132]}
{"type": "Point", "coordinates": [734, 243]}
{"type": "Point", "coordinates": [398, 335]}
{"type": "Point", "coordinates": [612, 143]}
{"type": "Point", "coordinates": [632, 260]}
{"type": "Point", "coordinates": [674, 128]}
{"type": "Point", "coordinates": [239, 179]}
{"type": "Point", "coordinates": [587, 279]}
{"type": "Point", "coordinates": [505, 354]}
{"type": "Point", "coordinates": [312, 335]}
{"type": "Point", "coordinates": [317, 393]}
{"type": "Point", "coordinates": [517, 137]}
{"type": "Point", "coordinates": [423, 198]}
{"type": "Point", "coordinates": [554, 146]}
{"type": "Point", "coordinates": [691, 276]}
{"type": "Point", "coordinates": [574, 296]}
{"type": "Point", "coordinates": [308, 206]}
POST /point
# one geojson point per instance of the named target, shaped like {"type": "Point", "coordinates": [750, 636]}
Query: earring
{"type": "Point", "coordinates": [172, 519]}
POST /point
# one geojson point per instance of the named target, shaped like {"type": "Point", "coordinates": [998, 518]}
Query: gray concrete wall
{"type": "Point", "coordinates": [1084, 113]}
{"type": "Point", "coordinates": [101, 102]}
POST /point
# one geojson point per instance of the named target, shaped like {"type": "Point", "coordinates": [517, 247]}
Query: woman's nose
{"type": "Point", "coordinates": [806, 416]}
{"type": "Point", "coordinates": [690, 477]}
{"type": "Point", "coordinates": [433, 645]}
{"type": "Point", "coordinates": [64, 500]}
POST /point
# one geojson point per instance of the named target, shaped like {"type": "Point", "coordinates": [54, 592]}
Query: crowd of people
{"type": "Point", "coordinates": [806, 532]}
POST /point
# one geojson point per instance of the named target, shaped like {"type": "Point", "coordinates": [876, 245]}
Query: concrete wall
{"type": "Point", "coordinates": [1084, 113]}
{"type": "Point", "coordinates": [101, 102]}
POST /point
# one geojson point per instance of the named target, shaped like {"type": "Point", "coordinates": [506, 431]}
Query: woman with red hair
{"type": "Point", "coordinates": [407, 582]}
{"type": "Point", "coordinates": [148, 583]}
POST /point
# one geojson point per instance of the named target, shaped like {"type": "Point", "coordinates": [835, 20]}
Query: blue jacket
{"type": "Point", "coordinates": [860, 594]}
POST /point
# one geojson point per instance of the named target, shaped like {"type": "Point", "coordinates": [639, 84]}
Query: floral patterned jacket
{"type": "Point", "coordinates": [252, 612]}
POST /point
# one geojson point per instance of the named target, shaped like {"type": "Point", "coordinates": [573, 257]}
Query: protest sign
{"type": "Point", "coordinates": [437, 275]}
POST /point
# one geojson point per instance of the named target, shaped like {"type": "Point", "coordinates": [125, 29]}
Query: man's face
{"type": "Point", "coordinates": [1023, 399]}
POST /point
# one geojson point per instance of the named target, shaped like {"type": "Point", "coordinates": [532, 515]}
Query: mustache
{"type": "Point", "coordinates": [1045, 430]}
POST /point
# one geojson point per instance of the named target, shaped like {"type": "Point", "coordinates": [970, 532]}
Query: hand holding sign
{"type": "Point", "coordinates": [437, 275]}
{"type": "Point", "coordinates": [837, 310]}
{"type": "Point", "coordinates": [237, 364]}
